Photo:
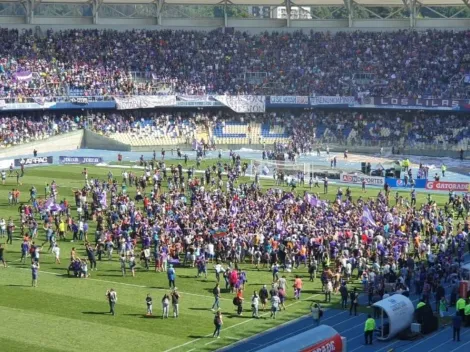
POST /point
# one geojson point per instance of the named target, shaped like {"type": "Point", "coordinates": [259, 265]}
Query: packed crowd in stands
{"type": "Point", "coordinates": [100, 63]}
{"type": "Point", "coordinates": [16, 130]}
{"type": "Point", "coordinates": [306, 129]}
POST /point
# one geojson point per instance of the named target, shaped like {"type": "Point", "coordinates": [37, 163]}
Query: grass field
{"type": "Point", "coordinates": [70, 314]}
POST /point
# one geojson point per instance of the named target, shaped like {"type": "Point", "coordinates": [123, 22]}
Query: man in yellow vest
{"type": "Point", "coordinates": [369, 329]}
{"type": "Point", "coordinates": [420, 304]}
{"type": "Point", "coordinates": [467, 315]}
{"type": "Point", "coordinates": [460, 306]}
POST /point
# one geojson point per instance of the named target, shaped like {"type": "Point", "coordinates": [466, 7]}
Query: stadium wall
{"type": "Point", "coordinates": [92, 140]}
{"type": "Point", "coordinates": [438, 153]}
{"type": "Point", "coordinates": [63, 142]}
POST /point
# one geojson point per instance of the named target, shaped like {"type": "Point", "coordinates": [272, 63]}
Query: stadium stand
{"type": "Point", "coordinates": [399, 64]}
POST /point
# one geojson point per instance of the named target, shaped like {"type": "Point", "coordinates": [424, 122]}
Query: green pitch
{"type": "Point", "coordinates": [70, 314]}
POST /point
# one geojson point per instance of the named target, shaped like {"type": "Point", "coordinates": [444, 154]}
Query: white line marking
{"type": "Point", "coordinates": [241, 323]}
{"type": "Point", "coordinates": [425, 339]}
{"type": "Point", "coordinates": [192, 349]}
{"type": "Point", "coordinates": [210, 342]}
{"type": "Point", "coordinates": [458, 348]}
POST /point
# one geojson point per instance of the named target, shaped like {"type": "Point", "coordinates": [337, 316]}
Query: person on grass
{"type": "Point", "coordinates": [275, 301]}
{"type": "Point", "coordinates": [218, 322]}
{"type": "Point", "coordinates": [255, 305]}
{"type": "Point", "coordinates": [2, 254]}
{"type": "Point", "coordinates": [35, 272]}
{"type": "Point", "coordinates": [111, 295]}
{"type": "Point", "coordinates": [216, 293]}
{"type": "Point", "coordinates": [148, 301]}
{"type": "Point", "coordinates": [165, 306]}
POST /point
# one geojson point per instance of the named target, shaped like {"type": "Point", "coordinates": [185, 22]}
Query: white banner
{"type": "Point", "coordinates": [145, 102]}
{"type": "Point", "coordinates": [370, 180]}
{"type": "Point", "coordinates": [244, 103]}
{"type": "Point", "coordinates": [5, 164]}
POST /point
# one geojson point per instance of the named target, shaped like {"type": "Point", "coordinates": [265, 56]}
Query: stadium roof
{"type": "Point", "coordinates": [377, 3]}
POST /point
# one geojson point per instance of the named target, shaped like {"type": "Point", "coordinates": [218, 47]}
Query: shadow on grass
{"type": "Point", "coordinates": [96, 313]}
{"type": "Point", "coordinates": [198, 308]}
{"type": "Point", "coordinates": [143, 316]}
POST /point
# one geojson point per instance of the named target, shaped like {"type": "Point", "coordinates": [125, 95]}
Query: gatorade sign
{"type": "Point", "coordinates": [331, 344]}
{"type": "Point", "coordinates": [447, 186]}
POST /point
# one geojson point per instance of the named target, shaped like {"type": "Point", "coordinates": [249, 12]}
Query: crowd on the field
{"type": "Point", "coordinates": [104, 62]}
{"type": "Point", "coordinates": [166, 217]}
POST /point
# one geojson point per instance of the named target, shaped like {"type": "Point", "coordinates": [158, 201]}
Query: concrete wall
{"type": "Point", "coordinates": [438, 153]}
{"type": "Point", "coordinates": [92, 140]}
{"type": "Point", "coordinates": [69, 141]}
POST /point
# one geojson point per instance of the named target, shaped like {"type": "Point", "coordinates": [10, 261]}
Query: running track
{"type": "Point", "coordinates": [352, 327]}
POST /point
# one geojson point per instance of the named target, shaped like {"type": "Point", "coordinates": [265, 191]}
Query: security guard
{"type": "Point", "coordinates": [460, 306]}
{"type": "Point", "coordinates": [467, 314]}
{"type": "Point", "coordinates": [369, 328]}
{"type": "Point", "coordinates": [420, 303]}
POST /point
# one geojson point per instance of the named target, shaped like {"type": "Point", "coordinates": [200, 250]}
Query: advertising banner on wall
{"type": "Point", "coordinates": [393, 182]}
{"type": "Point", "coordinates": [357, 179]}
{"type": "Point", "coordinates": [71, 160]}
{"type": "Point", "coordinates": [419, 103]}
{"type": "Point", "coordinates": [448, 186]}
{"type": "Point", "coordinates": [40, 160]}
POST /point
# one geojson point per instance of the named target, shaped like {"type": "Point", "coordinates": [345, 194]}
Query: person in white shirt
{"type": "Point", "coordinates": [282, 283]}
{"type": "Point", "coordinates": [56, 252]}
{"type": "Point", "coordinates": [210, 251]}
{"type": "Point", "coordinates": [3, 227]}
{"type": "Point", "coordinates": [275, 301]}
{"type": "Point", "coordinates": [315, 309]}
{"type": "Point", "coordinates": [255, 305]}
{"type": "Point", "coordinates": [328, 290]}
{"type": "Point", "coordinates": [218, 269]}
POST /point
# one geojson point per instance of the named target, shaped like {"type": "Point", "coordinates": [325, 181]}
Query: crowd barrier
{"type": "Point", "coordinates": [237, 103]}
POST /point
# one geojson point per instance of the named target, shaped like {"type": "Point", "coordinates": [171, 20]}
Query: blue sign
{"type": "Point", "coordinates": [73, 160]}
{"type": "Point", "coordinates": [394, 183]}
{"type": "Point", "coordinates": [80, 104]}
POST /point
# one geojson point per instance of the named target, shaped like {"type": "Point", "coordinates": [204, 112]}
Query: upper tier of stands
{"type": "Point", "coordinates": [76, 62]}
